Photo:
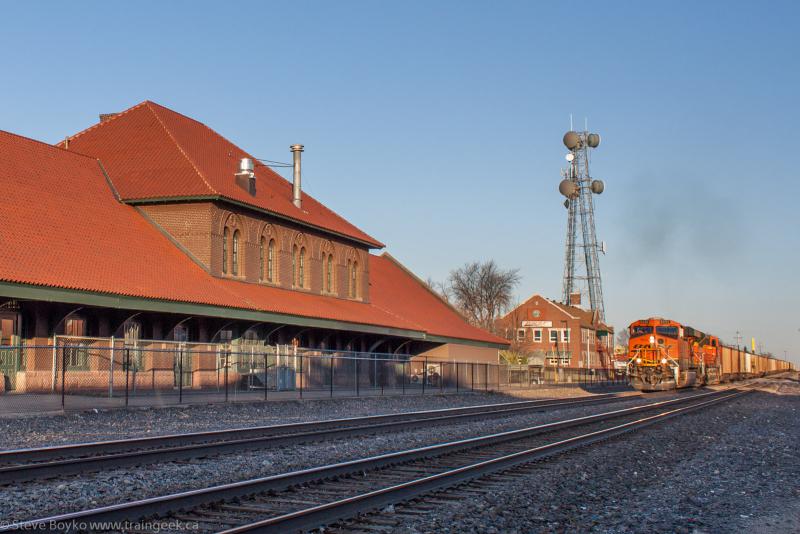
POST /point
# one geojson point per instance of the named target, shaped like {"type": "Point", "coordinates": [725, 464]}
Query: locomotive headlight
{"type": "Point", "coordinates": [663, 360]}
{"type": "Point", "coordinates": [638, 360]}
{"type": "Point", "coordinates": [652, 340]}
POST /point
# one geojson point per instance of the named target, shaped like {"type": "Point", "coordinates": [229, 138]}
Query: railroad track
{"type": "Point", "coordinates": [323, 495]}
{"type": "Point", "coordinates": [48, 462]}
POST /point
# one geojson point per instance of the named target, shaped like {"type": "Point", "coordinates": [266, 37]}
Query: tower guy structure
{"type": "Point", "coordinates": [581, 255]}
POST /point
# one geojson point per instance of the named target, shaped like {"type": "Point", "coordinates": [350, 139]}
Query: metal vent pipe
{"type": "Point", "coordinates": [297, 198]}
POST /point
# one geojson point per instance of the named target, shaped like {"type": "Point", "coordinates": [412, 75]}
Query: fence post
{"type": "Point", "coordinates": [424, 374]}
{"type": "Point", "coordinates": [180, 376]}
{"type": "Point", "coordinates": [301, 375]}
{"type": "Point", "coordinates": [331, 364]}
{"type": "Point", "coordinates": [111, 371]}
{"type": "Point", "coordinates": [472, 373]}
{"type": "Point", "coordinates": [127, 373]}
{"type": "Point", "coordinates": [456, 377]}
{"type": "Point", "coordinates": [441, 377]}
{"type": "Point", "coordinates": [153, 380]}
{"type": "Point", "coordinates": [358, 390]}
{"type": "Point", "coordinates": [382, 374]}
{"type": "Point", "coordinates": [266, 374]}
{"type": "Point", "coordinates": [404, 376]}
{"type": "Point", "coordinates": [227, 361]}
{"type": "Point", "coordinates": [63, 373]}
{"type": "Point", "coordinates": [54, 377]}
{"type": "Point", "coordinates": [486, 376]}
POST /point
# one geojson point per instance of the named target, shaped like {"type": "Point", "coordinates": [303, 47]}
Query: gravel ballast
{"type": "Point", "coordinates": [38, 499]}
{"type": "Point", "coordinates": [734, 468]}
{"type": "Point", "coordinates": [78, 427]}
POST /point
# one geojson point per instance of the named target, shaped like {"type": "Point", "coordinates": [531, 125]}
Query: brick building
{"type": "Point", "coordinates": [145, 227]}
{"type": "Point", "coordinates": [554, 334]}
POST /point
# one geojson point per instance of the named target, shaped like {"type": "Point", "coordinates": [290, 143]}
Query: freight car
{"type": "Point", "coordinates": [664, 355]}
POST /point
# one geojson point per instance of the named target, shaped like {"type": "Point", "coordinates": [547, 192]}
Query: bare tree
{"type": "Point", "coordinates": [439, 288]}
{"type": "Point", "coordinates": [622, 337]}
{"type": "Point", "coordinates": [482, 291]}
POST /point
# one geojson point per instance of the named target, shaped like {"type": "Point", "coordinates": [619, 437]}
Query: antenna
{"type": "Point", "coordinates": [581, 261]}
{"type": "Point", "coordinates": [570, 122]}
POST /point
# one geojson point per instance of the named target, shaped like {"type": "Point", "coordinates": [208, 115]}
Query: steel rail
{"type": "Point", "coordinates": [193, 498]}
{"type": "Point", "coordinates": [44, 462]}
{"type": "Point", "coordinates": [345, 508]}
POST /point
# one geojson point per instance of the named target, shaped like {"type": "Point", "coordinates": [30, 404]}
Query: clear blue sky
{"type": "Point", "coordinates": [436, 127]}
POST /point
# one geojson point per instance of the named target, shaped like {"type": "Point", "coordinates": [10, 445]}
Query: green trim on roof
{"type": "Point", "coordinates": [107, 300]}
{"type": "Point", "coordinates": [222, 198]}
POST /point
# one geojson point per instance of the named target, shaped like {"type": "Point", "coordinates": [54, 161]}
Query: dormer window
{"type": "Point", "coordinates": [352, 267]}
{"type": "Point", "coordinates": [225, 235]}
{"type": "Point", "coordinates": [329, 274]}
{"type": "Point", "coordinates": [271, 261]}
{"type": "Point", "coordinates": [261, 275]}
{"type": "Point", "coordinates": [301, 277]}
{"type": "Point", "coordinates": [299, 266]}
{"type": "Point", "coordinates": [235, 255]}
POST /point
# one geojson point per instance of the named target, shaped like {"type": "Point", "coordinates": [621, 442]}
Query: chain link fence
{"type": "Point", "coordinates": [87, 373]}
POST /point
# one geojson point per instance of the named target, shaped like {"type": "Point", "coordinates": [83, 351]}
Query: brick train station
{"type": "Point", "coordinates": [149, 229]}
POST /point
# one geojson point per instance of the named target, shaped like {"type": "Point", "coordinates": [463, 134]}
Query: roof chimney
{"type": "Point", "coordinates": [246, 177]}
{"type": "Point", "coordinates": [296, 192]}
{"type": "Point", "coordinates": [107, 116]}
{"type": "Point", "coordinates": [575, 299]}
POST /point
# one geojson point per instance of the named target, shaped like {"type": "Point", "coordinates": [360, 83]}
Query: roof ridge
{"type": "Point", "coordinates": [48, 145]}
{"type": "Point", "coordinates": [98, 124]}
{"type": "Point", "coordinates": [267, 168]}
{"type": "Point", "coordinates": [178, 145]}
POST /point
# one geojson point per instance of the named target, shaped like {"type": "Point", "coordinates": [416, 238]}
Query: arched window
{"type": "Point", "coordinates": [354, 280]}
{"type": "Point", "coordinates": [225, 234]}
{"type": "Point", "coordinates": [235, 254]}
{"type": "Point", "coordinates": [294, 265]}
{"type": "Point", "coordinates": [261, 259]}
{"type": "Point", "coordinates": [349, 278]}
{"type": "Point", "coordinates": [301, 281]}
{"type": "Point", "coordinates": [329, 274]}
{"type": "Point", "coordinates": [271, 261]}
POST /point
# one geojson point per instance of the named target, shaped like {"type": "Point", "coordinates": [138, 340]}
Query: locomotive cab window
{"type": "Point", "coordinates": [669, 331]}
{"type": "Point", "coordinates": [641, 330]}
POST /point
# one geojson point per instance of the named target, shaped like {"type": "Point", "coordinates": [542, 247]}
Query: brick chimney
{"type": "Point", "coordinates": [575, 299]}
{"type": "Point", "coordinates": [106, 116]}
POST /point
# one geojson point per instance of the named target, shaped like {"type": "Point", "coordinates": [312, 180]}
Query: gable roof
{"type": "Point", "coordinates": [65, 230]}
{"type": "Point", "coordinates": [587, 318]}
{"type": "Point", "coordinates": [153, 153]}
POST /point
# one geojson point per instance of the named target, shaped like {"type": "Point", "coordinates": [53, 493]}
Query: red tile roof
{"type": "Point", "coordinates": [64, 228]}
{"type": "Point", "coordinates": [398, 291]}
{"type": "Point", "coordinates": [152, 152]}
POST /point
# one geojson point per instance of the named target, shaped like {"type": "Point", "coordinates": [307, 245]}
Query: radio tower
{"type": "Point", "coordinates": [581, 262]}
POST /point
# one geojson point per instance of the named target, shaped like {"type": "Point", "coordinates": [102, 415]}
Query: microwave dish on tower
{"type": "Point", "coordinates": [581, 258]}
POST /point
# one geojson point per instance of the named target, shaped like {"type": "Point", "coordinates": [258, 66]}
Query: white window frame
{"type": "Point", "coordinates": [537, 335]}
{"type": "Point", "coordinates": [565, 335]}
{"type": "Point", "coordinates": [520, 334]}
{"type": "Point", "coordinates": [553, 331]}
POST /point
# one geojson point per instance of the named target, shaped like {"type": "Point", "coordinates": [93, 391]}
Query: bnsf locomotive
{"type": "Point", "coordinates": [664, 354]}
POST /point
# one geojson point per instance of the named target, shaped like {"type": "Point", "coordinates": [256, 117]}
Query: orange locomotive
{"type": "Point", "coordinates": [664, 354]}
